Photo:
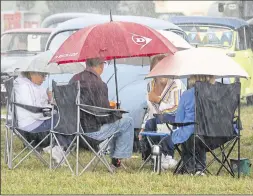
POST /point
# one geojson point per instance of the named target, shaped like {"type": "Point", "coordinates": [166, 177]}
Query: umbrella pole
{"type": "Point", "coordinates": [116, 82]}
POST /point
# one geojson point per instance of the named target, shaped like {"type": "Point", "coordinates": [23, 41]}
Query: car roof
{"type": "Point", "coordinates": [79, 23]}
{"type": "Point", "coordinates": [62, 17]}
{"type": "Point", "coordinates": [29, 30]}
{"type": "Point", "coordinates": [233, 23]}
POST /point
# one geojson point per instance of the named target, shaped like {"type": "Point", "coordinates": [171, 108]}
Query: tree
{"type": "Point", "coordinates": [140, 8]}
{"type": "Point", "coordinates": [102, 7]}
{"type": "Point", "coordinates": [25, 5]}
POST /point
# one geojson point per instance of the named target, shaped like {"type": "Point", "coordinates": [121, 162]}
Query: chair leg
{"type": "Point", "coordinates": [215, 158]}
{"type": "Point", "coordinates": [6, 146]}
{"type": "Point", "coordinates": [10, 149]}
{"type": "Point", "coordinates": [64, 157]}
{"type": "Point", "coordinates": [32, 150]}
{"type": "Point", "coordinates": [144, 163]}
{"type": "Point", "coordinates": [226, 157]}
{"type": "Point", "coordinates": [96, 155]}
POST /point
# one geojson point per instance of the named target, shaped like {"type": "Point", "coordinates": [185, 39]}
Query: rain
{"type": "Point", "coordinates": [152, 85]}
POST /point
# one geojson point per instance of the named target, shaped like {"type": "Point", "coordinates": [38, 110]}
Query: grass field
{"type": "Point", "coordinates": [33, 178]}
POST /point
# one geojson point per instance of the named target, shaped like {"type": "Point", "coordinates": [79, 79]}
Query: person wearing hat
{"type": "Point", "coordinates": [28, 91]}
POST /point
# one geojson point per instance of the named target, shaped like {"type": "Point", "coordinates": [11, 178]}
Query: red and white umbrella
{"type": "Point", "coordinates": [112, 40]}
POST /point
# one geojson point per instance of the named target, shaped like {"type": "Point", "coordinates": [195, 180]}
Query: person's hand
{"type": "Point", "coordinates": [49, 95]}
{"type": "Point", "coordinates": [140, 136]}
{"type": "Point", "coordinates": [153, 97]}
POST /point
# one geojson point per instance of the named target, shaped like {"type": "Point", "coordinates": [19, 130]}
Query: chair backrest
{"type": "Point", "coordinates": [9, 87]}
{"type": "Point", "coordinates": [65, 97]}
{"type": "Point", "coordinates": [9, 92]}
{"type": "Point", "coordinates": [215, 108]}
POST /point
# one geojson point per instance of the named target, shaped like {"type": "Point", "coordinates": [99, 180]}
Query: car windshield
{"type": "Point", "coordinates": [29, 42]}
{"type": "Point", "coordinates": [58, 39]}
{"type": "Point", "coordinates": [209, 35]}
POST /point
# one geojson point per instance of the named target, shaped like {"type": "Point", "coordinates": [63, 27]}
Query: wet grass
{"type": "Point", "coordinates": [33, 178]}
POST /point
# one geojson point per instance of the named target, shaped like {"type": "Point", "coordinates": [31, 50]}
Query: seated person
{"type": "Point", "coordinates": [183, 135]}
{"type": "Point", "coordinates": [28, 91]}
{"type": "Point", "coordinates": [95, 92]}
{"type": "Point", "coordinates": [163, 98]}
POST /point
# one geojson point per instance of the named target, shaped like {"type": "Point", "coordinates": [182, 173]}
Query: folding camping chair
{"type": "Point", "coordinates": [156, 146]}
{"type": "Point", "coordinates": [67, 98]}
{"type": "Point", "coordinates": [216, 125]}
{"type": "Point", "coordinates": [13, 129]}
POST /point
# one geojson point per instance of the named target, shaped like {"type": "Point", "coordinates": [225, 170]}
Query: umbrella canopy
{"type": "Point", "coordinates": [176, 40]}
{"type": "Point", "coordinates": [112, 40]}
{"type": "Point", "coordinates": [198, 61]}
{"type": "Point", "coordinates": [39, 63]}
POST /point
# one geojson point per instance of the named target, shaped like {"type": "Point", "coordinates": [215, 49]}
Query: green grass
{"type": "Point", "coordinates": [33, 178]}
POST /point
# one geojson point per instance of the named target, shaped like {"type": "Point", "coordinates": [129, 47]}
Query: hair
{"type": "Point", "coordinates": [200, 78]}
{"type": "Point", "coordinates": [93, 62]}
{"type": "Point", "coordinates": [155, 59]}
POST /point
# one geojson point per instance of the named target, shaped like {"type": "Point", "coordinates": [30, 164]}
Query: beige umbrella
{"type": "Point", "coordinates": [198, 61]}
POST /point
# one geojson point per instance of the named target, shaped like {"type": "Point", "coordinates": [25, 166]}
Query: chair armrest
{"type": "Point", "coordinates": [100, 110]}
{"type": "Point", "coordinates": [93, 113]}
{"type": "Point", "coordinates": [33, 109]}
{"type": "Point", "coordinates": [178, 124]}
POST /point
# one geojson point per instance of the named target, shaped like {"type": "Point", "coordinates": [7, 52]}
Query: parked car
{"type": "Point", "coordinates": [231, 35]}
{"type": "Point", "coordinates": [132, 86]}
{"type": "Point", "coordinates": [18, 43]}
{"type": "Point", "coordinates": [54, 20]}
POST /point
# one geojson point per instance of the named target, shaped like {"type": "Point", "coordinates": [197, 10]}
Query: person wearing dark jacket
{"type": "Point", "coordinates": [95, 92]}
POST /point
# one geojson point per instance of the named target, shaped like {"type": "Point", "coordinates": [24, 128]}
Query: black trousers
{"type": "Point", "coordinates": [187, 155]}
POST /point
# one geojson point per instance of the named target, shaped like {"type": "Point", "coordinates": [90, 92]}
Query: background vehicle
{"type": "Point", "coordinates": [239, 9]}
{"type": "Point", "coordinates": [54, 20]}
{"type": "Point", "coordinates": [132, 86]}
{"type": "Point", "coordinates": [228, 34]}
{"type": "Point", "coordinates": [18, 43]}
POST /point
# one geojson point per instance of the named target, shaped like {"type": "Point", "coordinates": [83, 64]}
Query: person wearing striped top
{"type": "Point", "coordinates": [163, 98]}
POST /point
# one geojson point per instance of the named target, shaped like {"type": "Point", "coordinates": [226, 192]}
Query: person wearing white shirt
{"type": "Point", "coordinates": [28, 91]}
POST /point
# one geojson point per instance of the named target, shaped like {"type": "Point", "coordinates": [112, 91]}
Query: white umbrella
{"type": "Point", "coordinates": [39, 63]}
{"type": "Point", "coordinates": [198, 61]}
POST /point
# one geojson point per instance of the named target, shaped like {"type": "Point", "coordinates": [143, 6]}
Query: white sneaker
{"type": "Point", "coordinates": [57, 154]}
{"type": "Point", "coordinates": [168, 162]}
{"type": "Point", "coordinates": [199, 173]}
{"type": "Point", "coordinates": [47, 149]}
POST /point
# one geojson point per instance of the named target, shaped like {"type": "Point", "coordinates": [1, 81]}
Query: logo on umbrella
{"type": "Point", "coordinates": [65, 55]}
{"type": "Point", "coordinates": [140, 40]}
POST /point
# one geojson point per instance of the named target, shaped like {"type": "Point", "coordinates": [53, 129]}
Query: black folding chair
{"type": "Point", "coordinates": [12, 129]}
{"type": "Point", "coordinates": [67, 98]}
{"type": "Point", "coordinates": [154, 144]}
{"type": "Point", "coordinates": [216, 123]}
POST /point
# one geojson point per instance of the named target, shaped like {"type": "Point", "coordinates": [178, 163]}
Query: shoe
{"type": "Point", "coordinates": [57, 154]}
{"type": "Point", "coordinates": [47, 149]}
{"type": "Point", "coordinates": [168, 162]}
{"type": "Point", "coordinates": [199, 173]}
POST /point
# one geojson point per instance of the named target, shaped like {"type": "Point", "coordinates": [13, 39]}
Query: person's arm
{"type": "Point", "coordinates": [170, 101]}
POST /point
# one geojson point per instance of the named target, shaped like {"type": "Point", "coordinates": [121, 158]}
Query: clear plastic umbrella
{"type": "Point", "coordinates": [39, 63]}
